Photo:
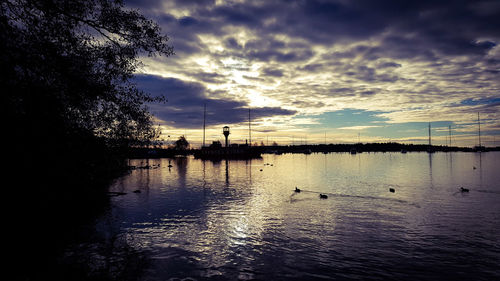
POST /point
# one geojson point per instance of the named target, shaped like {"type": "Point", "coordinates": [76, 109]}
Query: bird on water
{"type": "Point", "coordinates": [323, 196]}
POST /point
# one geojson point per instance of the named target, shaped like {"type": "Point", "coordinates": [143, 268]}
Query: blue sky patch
{"type": "Point", "coordinates": [346, 118]}
{"type": "Point", "coordinates": [480, 101]}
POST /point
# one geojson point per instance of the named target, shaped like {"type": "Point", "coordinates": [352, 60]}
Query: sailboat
{"type": "Point", "coordinates": [204, 120]}
{"type": "Point", "coordinates": [325, 151]}
{"type": "Point", "coordinates": [479, 148]}
{"type": "Point", "coordinates": [430, 149]}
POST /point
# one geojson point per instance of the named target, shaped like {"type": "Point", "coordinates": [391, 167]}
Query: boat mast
{"type": "Point", "coordinates": [204, 118]}
{"type": "Point", "coordinates": [249, 128]}
{"type": "Point", "coordinates": [449, 127]}
{"type": "Point", "coordinates": [479, 129]}
{"type": "Point", "coordinates": [430, 134]}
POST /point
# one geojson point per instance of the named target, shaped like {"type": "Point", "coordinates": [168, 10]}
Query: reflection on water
{"type": "Point", "coordinates": [229, 220]}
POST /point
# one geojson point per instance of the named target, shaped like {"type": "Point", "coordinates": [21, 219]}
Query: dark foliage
{"type": "Point", "coordinates": [69, 110]}
{"type": "Point", "coordinates": [181, 143]}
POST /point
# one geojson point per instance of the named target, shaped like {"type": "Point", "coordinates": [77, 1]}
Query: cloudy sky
{"type": "Point", "coordinates": [340, 70]}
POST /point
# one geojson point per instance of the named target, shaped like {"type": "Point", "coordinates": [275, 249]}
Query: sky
{"type": "Point", "coordinates": [338, 71]}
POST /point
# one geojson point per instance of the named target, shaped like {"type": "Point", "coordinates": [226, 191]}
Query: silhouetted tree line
{"type": "Point", "coordinates": [66, 67]}
{"type": "Point", "coordinates": [365, 147]}
{"type": "Point", "coordinates": [70, 111]}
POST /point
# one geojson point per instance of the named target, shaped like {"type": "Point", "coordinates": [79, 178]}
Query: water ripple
{"type": "Point", "coordinates": [230, 221]}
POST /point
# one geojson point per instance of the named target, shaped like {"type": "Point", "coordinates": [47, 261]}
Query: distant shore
{"type": "Point", "coordinates": [156, 152]}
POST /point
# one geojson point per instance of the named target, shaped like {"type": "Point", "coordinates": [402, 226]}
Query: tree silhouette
{"type": "Point", "coordinates": [181, 143]}
{"type": "Point", "coordinates": [70, 62]}
{"type": "Point", "coordinates": [65, 75]}
{"type": "Point", "coordinates": [69, 108]}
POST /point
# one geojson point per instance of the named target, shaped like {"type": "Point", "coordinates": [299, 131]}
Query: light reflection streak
{"type": "Point", "coordinates": [228, 220]}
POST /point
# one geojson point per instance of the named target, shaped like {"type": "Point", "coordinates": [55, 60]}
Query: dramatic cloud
{"type": "Point", "coordinates": [186, 101]}
{"type": "Point", "coordinates": [413, 61]}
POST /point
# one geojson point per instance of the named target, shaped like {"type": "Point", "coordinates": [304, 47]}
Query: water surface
{"type": "Point", "coordinates": [233, 220]}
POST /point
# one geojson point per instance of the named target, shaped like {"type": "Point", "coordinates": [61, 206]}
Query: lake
{"type": "Point", "coordinates": [242, 220]}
